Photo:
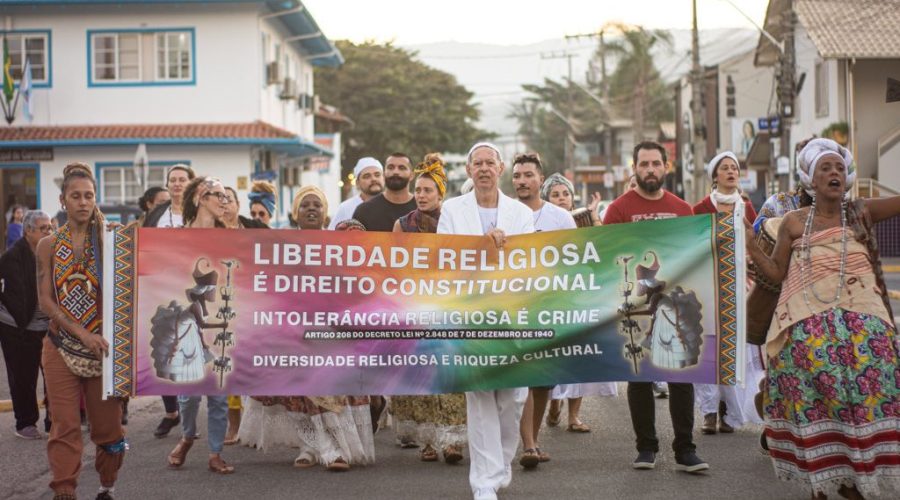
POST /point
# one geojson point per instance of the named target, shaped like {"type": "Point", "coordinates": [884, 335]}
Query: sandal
{"type": "Point", "coordinates": [304, 461]}
{"type": "Point", "coordinates": [428, 454]}
{"type": "Point", "coordinates": [179, 454]}
{"type": "Point", "coordinates": [553, 417]}
{"type": "Point", "coordinates": [530, 458]}
{"type": "Point", "coordinates": [452, 454]}
{"type": "Point", "coordinates": [578, 427]}
{"type": "Point", "coordinates": [543, 456]}
{"type": "Point", "coordinates": [217, 465]}
{"type": "Point", "coordinates": [338, 465]}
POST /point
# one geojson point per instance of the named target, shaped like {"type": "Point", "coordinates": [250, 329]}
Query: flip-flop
{"type": "Point", "coordinates": [543, 456]}
{"type": "Point", "coordinates": [530, 458]}
{"type": "Point", "coordinates": [578, 427]}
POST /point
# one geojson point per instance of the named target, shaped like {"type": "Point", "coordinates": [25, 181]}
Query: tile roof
{"type": "Point", "coordinates": [256, 130]}
{"type": "Point", "coordinates": [862, 29]}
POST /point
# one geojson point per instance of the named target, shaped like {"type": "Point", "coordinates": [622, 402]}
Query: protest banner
{"type": "Point", "coordinates": [289, 312]}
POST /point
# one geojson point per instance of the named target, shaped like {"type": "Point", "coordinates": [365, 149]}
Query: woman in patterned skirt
{"type": "Point", "coordinates": [437, 422]}
{"type": "Point", "coordinates": [832, 404]}
{"type": "Point", "coordinates": [335, 431]}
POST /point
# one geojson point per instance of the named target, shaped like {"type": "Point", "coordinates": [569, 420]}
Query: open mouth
{"type": "Point", "coordinates": [834, 183]}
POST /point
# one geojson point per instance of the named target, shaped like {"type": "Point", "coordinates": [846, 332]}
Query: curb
{"type": "Point", "coordinates": [5, 405]}
{"type": "Point", "coordinates": [894, 294]}
{"type": "Point", "coordinates": [891, 269]}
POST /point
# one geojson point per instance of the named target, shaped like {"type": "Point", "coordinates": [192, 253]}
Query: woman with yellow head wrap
{"type": "Point", "coordinates": [430, 188]}
{"type": "Point", "coordinates": [437, 422]}
{"type": "Point", "coordinates": [309, 208]}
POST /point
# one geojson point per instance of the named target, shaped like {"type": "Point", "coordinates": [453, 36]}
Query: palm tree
{"type": "Point", "coordinates": [636, 83]}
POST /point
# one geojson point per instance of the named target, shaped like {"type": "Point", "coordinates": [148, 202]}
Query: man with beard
{"type": "Point", "coordinates": [369, 177]}
{"type": "Point", "coordinates": [528, 176]}
{"type": "Point", "coordinates": [381, 211]}
{"type": "Point", "coordinates": [649, 201]}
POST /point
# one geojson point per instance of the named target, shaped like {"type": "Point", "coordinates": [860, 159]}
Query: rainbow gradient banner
{"type": "Point", "coordinates": [289, 312]}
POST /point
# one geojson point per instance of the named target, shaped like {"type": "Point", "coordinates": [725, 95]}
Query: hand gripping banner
{"type": "Point", "coordinates": [290, 312]}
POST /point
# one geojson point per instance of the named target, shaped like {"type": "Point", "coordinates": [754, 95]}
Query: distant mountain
{"type": "Point", "coordinates": [495, 73]}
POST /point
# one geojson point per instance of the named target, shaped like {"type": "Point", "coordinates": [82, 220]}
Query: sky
{"type": "Point", "coordinates": [514, 22]}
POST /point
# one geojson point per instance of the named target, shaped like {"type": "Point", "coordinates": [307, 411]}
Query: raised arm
{"type": "Point", "coordinates": [883, 208]}
{"type": "Point", "coordinates": [47, 301]}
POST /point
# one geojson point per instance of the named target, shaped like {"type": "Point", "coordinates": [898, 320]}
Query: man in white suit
{"type": "Point", "coordinates": [493, 416]}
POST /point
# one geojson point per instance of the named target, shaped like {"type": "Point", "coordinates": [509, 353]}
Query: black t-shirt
{"type": "Point", "coordinates": [378, 214]}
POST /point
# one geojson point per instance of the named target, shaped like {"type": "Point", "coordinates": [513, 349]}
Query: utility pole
{"type": "Point", "coordinates": [699, 132]}
{"type": "Point", "coordinates": [786, 90]}
{"type": "Point", "coordinates": [604, 89]}
{"type": "Point", "coordinates": [569, 146]}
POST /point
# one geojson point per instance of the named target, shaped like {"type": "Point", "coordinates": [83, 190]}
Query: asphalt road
{"type": "Point", "coordinates": [595, 465]}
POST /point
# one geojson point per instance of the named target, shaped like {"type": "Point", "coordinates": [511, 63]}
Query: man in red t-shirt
{"type": "Point", "coordinates": [645, 202]}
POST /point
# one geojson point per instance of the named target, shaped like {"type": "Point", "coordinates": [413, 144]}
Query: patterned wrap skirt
{"type": "Point", "coordinates": [832, 404]}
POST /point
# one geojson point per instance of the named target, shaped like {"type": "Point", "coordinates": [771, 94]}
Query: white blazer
{"type": "Point", "coordinates": [460, 216]}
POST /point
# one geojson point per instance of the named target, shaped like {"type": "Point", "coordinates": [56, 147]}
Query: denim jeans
{"type": "Point", "coordinates": [217, 419]}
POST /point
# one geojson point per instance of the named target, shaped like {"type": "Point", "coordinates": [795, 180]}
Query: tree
{"type": "Point", "coordinates": [397, 103]}
{"type": "Point", "coordinates": [636, 88]}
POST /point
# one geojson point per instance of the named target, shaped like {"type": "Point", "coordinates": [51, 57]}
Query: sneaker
{"type": "Point", "coordinates": [645, 460]}
{"type": "Point", "coordinates": [690, 462]}
{"type": "Point", "coordinates": [104, 495]}
{"type": "Point", "coordinates": [29, 433]}
{"type": "Point", "coordinates": [166, 425]}
{"type": "Point", "coordinates": [661, 389]}
{"type": "Point", "coordinates": [484, 494]}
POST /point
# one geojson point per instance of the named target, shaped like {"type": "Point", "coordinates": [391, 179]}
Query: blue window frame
{"type": "Point", "coordinates": [36, 46]}
{"type": "Point", "coordinates": [118, 183]}
{"type": "Point", "coordinates": [141, 57]}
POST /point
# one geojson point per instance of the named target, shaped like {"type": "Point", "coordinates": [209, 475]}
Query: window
{"type": "Point", "coordinates": [119, 181]}
{"type": "Point", "coordinates": [117, 57]}
{"type": "Point", "coordinates": [141, 57]}
{"type": "Point", "coordinates": [821, 88]}
{"type": "Point", "coordinates": [33, 46]}
{"type": "Point", "coordinates": [173, 56]}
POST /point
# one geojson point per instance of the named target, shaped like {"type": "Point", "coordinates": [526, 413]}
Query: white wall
{"type": "Point", "coordinates": [225, 162]}
{"type": "Point", "coordinates": [874, 117]}
{"type": "Point", "coordinates": [227, 58]}
{"type": "Point", "coordinates": [805, 123]}
{"type": "Point", "coordinates": [753, 88]}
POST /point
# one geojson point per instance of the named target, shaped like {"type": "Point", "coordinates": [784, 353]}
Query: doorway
{"type": "Point", "coordinates": [19, 185]}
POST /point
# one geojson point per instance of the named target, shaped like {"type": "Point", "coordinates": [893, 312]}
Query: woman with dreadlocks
{"type": "Point", "coordinates": [69, 280]}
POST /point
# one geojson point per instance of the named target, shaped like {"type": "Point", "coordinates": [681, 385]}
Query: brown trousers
{"type": "Point", "coordinates": [65, 446]}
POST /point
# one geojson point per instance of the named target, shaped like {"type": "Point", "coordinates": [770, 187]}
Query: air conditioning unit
{"type": "Point", "coordinates": [273, 73]}
{"type": "Point", "coordinates": [289, 89]}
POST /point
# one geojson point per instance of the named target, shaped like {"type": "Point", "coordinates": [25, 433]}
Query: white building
{"type": "Point", "coordinates": [845, 54]}
{"type": "Point", "coordinates": [225, 86]}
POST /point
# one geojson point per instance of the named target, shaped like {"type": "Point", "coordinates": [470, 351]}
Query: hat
{"type": "Point", "coordinates": [306, 190]}
{"type": "Point", "coordinates": [646, 276]}
{"type": "Point", "coordinates": [714, 163]}
{"type": "Point", "coordinates": [488, 145]}
{"type": "Point", "coordinates": [365, 163]}
{"type": "Point", "coordinates": [813, 152]}
{"type": "Point", "coordinates": [203, 282]}
{"type": "Point", "coordinates": [556, 180]}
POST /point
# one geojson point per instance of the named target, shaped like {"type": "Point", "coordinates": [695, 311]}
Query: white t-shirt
{"type": "Point", "coordinates": [552, 218]}
{"type": "Point", "coordinates": [169, 219]}
{"type": "Point", "coordinates": [345, 211]}
{"type": "Point", "coordinates": [488, 218]}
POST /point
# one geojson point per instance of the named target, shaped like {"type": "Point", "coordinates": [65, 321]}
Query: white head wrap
{"type": "Point", "coordinates": [814, 151]}
{"type": "Point", "coordinates": [365, 163]}
{"type": "Point", "coordinates": [711, 166]}
{"type": "Point", "coordinates": [556, 180]}
{"type": "Point", "coordinates": [488, 145]}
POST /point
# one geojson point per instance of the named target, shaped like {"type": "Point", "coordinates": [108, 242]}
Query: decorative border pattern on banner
{"type": "Point", "coordinates": [727, 313]}
{"type": "Point", "coordinates": [124, 311]}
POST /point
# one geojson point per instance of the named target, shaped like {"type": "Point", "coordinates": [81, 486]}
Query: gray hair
{"type": "Point", "coordinates": [31, 217]}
